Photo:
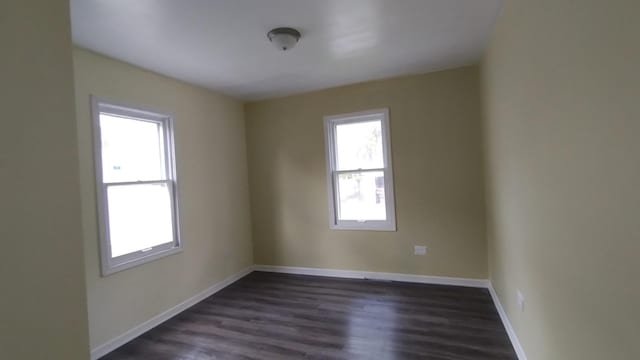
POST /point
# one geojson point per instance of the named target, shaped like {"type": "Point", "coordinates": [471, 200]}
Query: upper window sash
{"type": "Point", "coordinates": [162, 124]}
{"type": "Point", "coordinates": [357, 118]}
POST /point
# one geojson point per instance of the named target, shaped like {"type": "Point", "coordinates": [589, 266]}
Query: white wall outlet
{"type": "Point", "coordinates": [420, 250]}
{"type": "Point", "coordinates": [520, 298]}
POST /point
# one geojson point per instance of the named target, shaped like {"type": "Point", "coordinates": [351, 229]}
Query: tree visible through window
{"type": "Point", "coordinates": [360, 176]}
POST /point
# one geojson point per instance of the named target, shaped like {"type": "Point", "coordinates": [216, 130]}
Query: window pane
{"type": "Point", "coordinates": [131, 149]}
{"type": "Point", "coordinates": [361, 196]}
{"type": "Point", "coordinates": [139, 217]}
{"type": "Point", "coordinates": [359, 146]}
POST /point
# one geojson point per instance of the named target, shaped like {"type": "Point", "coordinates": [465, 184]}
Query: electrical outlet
{"type": "Point", "coordinates": [520, 298]}
{"type": "Point", "coordinates": [420, 250]}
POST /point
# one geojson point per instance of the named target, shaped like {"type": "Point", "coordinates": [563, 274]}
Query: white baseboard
{"type": "Point", "coordinates": [352, 274]}
{"type": "Point", "coordinates": [131, 334]}
{"type": "Point", "coordinates": [507, 325]}
{"type": "Point", "coordinates": [424, 279]}
{"type": "Point", "coordinates": [124, 338]}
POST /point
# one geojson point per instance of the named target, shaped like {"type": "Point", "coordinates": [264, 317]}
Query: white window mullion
{"type": "Point", "coordinates": [359, 171]}
{"type": "Point", "coordinates": [140, 182]}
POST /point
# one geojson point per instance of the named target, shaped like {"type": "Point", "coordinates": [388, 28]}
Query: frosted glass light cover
{"type": "Point", "coordinates": [284, 38]}
{"type": "Point", "coordinates": [284, 41]}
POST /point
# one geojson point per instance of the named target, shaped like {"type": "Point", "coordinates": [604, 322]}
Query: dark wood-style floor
{"type": "Point", "coordinates": [277, 316]}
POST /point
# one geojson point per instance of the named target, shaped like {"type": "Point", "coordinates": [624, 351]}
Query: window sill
{"type": "Point", "coordinates": [108, 269]}
{"type": "Point", "coordinates": [364, 227]}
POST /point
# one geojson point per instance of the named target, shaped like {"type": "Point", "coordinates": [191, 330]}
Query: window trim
{"type": "Point", "coordinates": [330, 123]}
{"type": "Point", "coordinates": [108, 264]}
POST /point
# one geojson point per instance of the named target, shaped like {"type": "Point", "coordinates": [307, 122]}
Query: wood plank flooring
{"type": "Point", "coordinates": [277, 316]}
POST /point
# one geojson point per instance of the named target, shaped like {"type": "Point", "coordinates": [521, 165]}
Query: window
{"type": "Point", "coordinates": [359, 172]}
{"type": "Point", "coordinates": [136, 186]}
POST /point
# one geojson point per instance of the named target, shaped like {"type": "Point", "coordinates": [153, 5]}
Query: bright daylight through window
{"type": "Point", "coordinates": [359, 175]}
{"type": "Point", "coordinates": [136, 186]}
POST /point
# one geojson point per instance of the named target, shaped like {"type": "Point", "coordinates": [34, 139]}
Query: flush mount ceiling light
{"type": "Point", "coordinates": [284, 38]}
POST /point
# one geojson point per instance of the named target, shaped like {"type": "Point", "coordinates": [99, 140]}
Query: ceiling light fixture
{"type": "Point", "coordinates": [284, 38]}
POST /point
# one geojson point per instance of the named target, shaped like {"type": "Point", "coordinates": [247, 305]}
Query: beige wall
{"type": "Point", "coordinates": [213, 190]}
{"type": "Point", "coordinates": [562, 91]}
{"type": "Point", "coordinates": [43, 310]}
{"type": "Point", "coordinates": [436, 150]}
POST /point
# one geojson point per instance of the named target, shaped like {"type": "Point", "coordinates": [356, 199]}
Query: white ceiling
{"type": "Point", "coordinates": [222, 44]}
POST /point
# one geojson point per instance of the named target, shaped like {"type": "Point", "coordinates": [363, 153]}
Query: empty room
{"type": "Point", "coordinates": [320, 179]}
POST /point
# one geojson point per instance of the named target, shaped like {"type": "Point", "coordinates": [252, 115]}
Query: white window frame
{"type": "Point", "coordinates": [330, 123]}
{"type": "Point", "coordinates": [111, 265]}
